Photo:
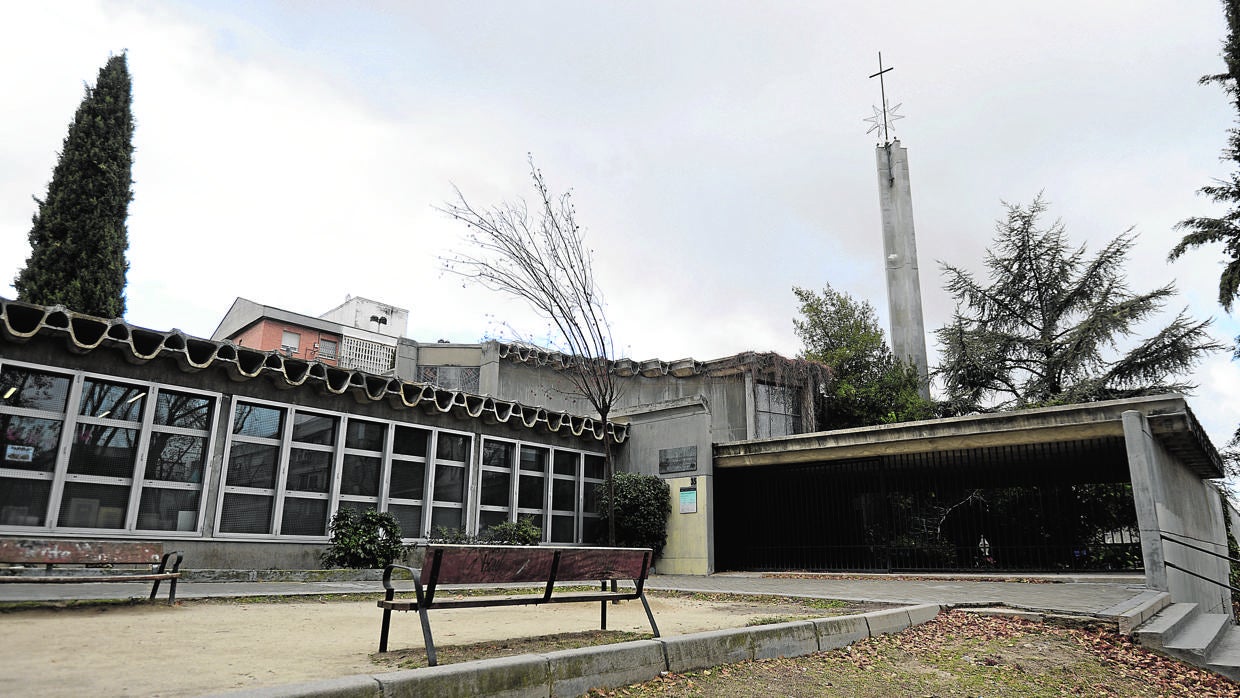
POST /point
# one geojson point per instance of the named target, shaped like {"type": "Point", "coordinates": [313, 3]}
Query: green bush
{"type": "Point", "coordinates": [522, 532]}
{"type": "Point", "coordinates": [643, 503]}
{"type": "Point", "coordinates": [363, 540]}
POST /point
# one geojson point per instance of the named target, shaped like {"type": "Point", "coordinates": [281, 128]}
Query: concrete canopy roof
{"type": "Point", "coordinates": [84, 334]}
{"type": "Point", "coordinates": [1171, 423]}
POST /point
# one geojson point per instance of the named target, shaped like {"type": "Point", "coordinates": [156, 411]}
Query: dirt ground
{"type": "Point", "coordinates": [196, 648]}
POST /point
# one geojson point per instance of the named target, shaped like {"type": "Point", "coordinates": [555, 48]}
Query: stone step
{"type": "Point", "coordinates": [1162, 628]}
{"type": "Point", "coordinates": [1225, 659]}
{"type": "Point", "coordinates": [1198, 637]}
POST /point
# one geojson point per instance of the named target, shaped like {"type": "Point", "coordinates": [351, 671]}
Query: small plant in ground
{"type": "Point", "coordinates": [363, 540]}
{"type": "Point", "coordinates": [643, 503]}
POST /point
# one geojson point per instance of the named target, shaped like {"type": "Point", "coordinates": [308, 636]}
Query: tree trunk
{"type": "Point", "coordinates": [609, 466]}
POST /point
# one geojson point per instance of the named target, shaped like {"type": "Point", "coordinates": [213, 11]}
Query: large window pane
{"type": "Point", "coordinates": [255, 420]}
{"type": "Point", "coordinates": [175, 457]}
{"type": "Point", "coordinates": [175, 409]}
{"type": "Point", "coordinates": [446, 518]}
{"type": "Point", "coordinates": [495, 490]}
{"type": "Point", "coordinates": [309, 471]}
{"type": "Point", "coordinates": [314, 429]}
{"type": "Point", "coordinates": [594, 467]}
{"type": "Point", "coordinates": [87, 505]}
{"type": "Point", "coordinates": [534, 459]}
{"type": "Point", "coordinates": [410, 517]}
{"type": "Point", "coordinates": [410, 442]}
{"type": "Point", "coordinates": [591, 503]}
{"type": "Point", "coordinates": [304, 517]}
{"type": "Point", "coordinates": [497, 454]}
{"type": "Point", "coordinates": [407, 481]}
{"type": "Point", "coordinates": [29, 443]}
{"type": "Point", "coordinates": [112, 400]}
{"type": "Point", "coordinates": [563, 495]}
{"type": "Point", "coordinates": [562, 529]}
{"type": "Point", "coordinates": [246, 513]}
{"type": "Point", "coordinates": [366, 436]}
{"type": "Point", "coordinates": [34, 390]}
{"type": "Point", "coordinates": [566, 462]}
{"type": "Point", "coordinates": [168, 510]}
{"type": "Point", "coordinates": [99, 450]}
{"type": "Point", "coordinates": [487, 519]}
{"type": "Point", "coordinates": [253, 465]}
{"type": "Point", "coordinates": [24, 502]}
{"type": "Point", "coordinates": [360, 476]}
{"type": "Point", "coordinates": [449, 483]}
{"type": "Point", "coordinates": [453, 447]}
{"type": "Point", "coordinates": [531, 492]}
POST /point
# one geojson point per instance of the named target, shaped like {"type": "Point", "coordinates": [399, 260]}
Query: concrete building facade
{"type": "Point", "coordinates": [240, 456]}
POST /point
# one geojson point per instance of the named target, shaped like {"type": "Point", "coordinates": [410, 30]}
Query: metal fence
{"type": "Point", "coordinates": [1052, 508]}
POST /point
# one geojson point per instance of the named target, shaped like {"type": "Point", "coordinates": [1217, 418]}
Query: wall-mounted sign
{"type": "Point", "coordinates": [19, 454]}
{"type": "Point", "coordinates": [688, 500]}
{"type": "Point", "coordinates": [677, 460]}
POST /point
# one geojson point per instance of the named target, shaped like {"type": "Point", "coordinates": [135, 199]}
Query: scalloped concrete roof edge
{"type": "Point", "coordinates": [21, 322]}
{"type": "Point", "coordinates": [651, 368]}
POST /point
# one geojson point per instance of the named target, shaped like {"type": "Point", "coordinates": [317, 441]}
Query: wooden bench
{"type": "Point", "coordinates": [84, 552]}
{"type": "Point", "coordinates": [515, 564]}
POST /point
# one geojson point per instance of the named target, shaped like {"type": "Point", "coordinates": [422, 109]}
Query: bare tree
{"type": "Point", "coordinates": [539, 257]}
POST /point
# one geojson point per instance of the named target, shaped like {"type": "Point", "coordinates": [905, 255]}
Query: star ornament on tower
{"type": "Point", "coordinates": [881, 122]}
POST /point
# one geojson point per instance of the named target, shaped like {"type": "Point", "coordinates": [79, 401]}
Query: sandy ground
{"type": "Point", "coordinates": [192, 649]}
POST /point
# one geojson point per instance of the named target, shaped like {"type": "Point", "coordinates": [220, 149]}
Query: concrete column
{"type": "Point", "coordinates": [1143, 469]}
{"type": "Point", "coordinates": [908, 332]}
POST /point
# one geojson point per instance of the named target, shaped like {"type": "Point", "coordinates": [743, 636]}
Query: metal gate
{"type": "Point", "coordinates": [1047, 507]}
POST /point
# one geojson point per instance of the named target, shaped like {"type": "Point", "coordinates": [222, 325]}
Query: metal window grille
{"type": "Point", "coordinates": [463, 378]}
{"type": "Point", "coordinates": [365, 355]}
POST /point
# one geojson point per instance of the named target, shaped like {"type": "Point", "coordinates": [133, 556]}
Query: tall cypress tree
{"type": "Point", "coordinates": [78, 237]}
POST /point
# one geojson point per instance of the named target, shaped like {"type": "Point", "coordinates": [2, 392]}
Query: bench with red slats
{"type": "Point", "coordinates": [515, 564]}
{"type": "Point", "coordinates": [49, 553]}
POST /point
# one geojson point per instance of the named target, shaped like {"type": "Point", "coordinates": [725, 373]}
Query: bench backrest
{"type": "Point", "coordinates": [510, 564]}
{"type": "Point", "coordinates": [81, 552]}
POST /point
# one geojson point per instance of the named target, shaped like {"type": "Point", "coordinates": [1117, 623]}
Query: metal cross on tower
{"type": "Point", "coordinates": [882, 118]}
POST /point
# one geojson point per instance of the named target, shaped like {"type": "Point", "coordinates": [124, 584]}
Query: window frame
{"type": "Point", "coordinates": [136, 482]}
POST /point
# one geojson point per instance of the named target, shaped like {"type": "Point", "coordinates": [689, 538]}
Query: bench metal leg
{"type": "Point", "coordinates": [383, 633]}
{"type": "Point", "coordinates": [603, 609]}
{"type": "Point", "coordinates": [431, 659]}
{"type": "Point", "coordinates": [649, 615]}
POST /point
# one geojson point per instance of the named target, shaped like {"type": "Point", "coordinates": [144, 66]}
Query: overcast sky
{"type": "Point", "coordinates": [293, 153]}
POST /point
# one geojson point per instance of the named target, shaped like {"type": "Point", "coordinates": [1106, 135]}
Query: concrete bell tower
{"type": "Point", "coordinates": [895, 198]}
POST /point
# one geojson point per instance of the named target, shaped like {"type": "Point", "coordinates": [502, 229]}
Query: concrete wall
{"type": "Point", "coordinates": [673, 440]}
{"type": "Point", "coordinates": [690, 548]}
{"type": "Point", "coordinates": [550, 388]}
{"type": "Point", "coordinates": [357, 311]}
{"type": "Point", "coordinates": [1171, 499]}
{"type": "Point", "coordinates": [449, 355]}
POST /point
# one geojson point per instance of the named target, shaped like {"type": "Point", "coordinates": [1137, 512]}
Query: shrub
{"type": "Point", "coordinates": [363, 540]}
{"type": "Point", "coordinates": [522, 532]}
{"type": "Point", "coordinates": [643, 503]}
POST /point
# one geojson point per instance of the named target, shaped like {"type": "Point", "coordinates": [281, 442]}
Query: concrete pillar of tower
{"type": "Point", "coordinates": [908, 332]}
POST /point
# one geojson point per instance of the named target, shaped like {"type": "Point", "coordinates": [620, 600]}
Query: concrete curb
{"type": "Point", "coordinates": [1145, 609]}
{"type": "Point", "coordinates": [573, 672]}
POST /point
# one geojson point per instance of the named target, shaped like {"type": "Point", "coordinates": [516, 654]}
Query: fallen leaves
{"type": "Point", "coordinates": [958, 654]}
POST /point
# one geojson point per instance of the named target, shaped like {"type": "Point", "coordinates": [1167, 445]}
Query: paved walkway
{"type": "Point", "coordinates": [1101, 598]}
